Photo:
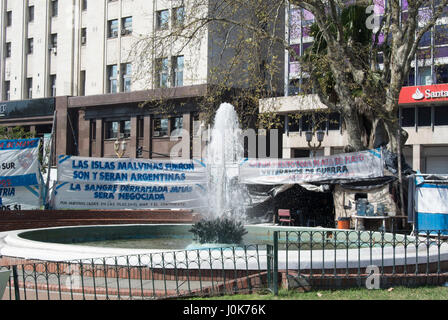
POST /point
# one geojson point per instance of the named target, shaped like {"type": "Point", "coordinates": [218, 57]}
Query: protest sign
{"type": "Point", "coordinates": [80, 195]}
{"type": "Point", "coordinates": [130, 171]}
{"type": "Point", "coordinates": [357, 165]}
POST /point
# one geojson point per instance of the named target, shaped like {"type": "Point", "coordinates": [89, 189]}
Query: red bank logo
{"type": "Point", "coordinates": [418, 95]}
{"type": "Point", "coordinates": [422, 94]}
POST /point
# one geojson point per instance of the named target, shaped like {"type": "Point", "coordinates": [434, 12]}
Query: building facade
{"type": "Point", "coordinates": [425, 119]}
{"type": "Point", "coordinates": [95, 61]}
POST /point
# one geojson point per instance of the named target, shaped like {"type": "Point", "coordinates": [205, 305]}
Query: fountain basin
{"type": "Point", "coordinates": [71, 243]}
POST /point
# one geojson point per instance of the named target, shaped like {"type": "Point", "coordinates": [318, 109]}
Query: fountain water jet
{"type": "Point", "coordinates": [224, 153]}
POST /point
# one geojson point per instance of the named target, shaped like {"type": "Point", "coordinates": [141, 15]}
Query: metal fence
{"type": "Point", "coordinates": [332, 259]}
{"type": "Point", "coordinates": [185, 273]}
{"type": "Point", "coordinates": [320, 258]}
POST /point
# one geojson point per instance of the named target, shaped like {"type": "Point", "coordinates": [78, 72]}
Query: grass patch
{"type": "Point", "coordinates": [396, 293]}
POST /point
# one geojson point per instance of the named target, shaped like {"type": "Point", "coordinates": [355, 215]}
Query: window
{"type": "Point", "coordinates": [176, 125]}
{"type": "Point", "coordinates": [178, 17]}
{"type": "Point", "coordinates": [125, 128]}
{"type": "Point", "coordinates": [29, 88]}
{"type": "Point", "coordinates": [9, 18]}
{"type": "Point", "coordinates": [52, 86]}
{"type": "Point", "coordinates": [307, 122]}
{"type": "Point", "coordinates": [334, 121]}
{"type": "Point", "coordinates": [84, 5]}
{"type": "Point", "coordinates": [160, 127]}
{"type": "Point", "coordinates": [6, 90]}
{"type": "Point", "coordinates": [111, 129]}
{"type": "Point", "coordinates": [83, 36]}
{"type": "Point", "coordinates": [112, 28]}
{"type": "Point", "coordinates": [8, 49]}
{"type": "Point", "coordinates": [113, 81]}
{"type": "Point", "coordinates": [162, 18]}
{"type": "Point", "coordinates": [424, 116]}
{"type": "Point", "coordinates": [293, 124]}
{"type": "Point", "coordinates": [442, 73]}
{"type": "Point", "coordinates": [126, 71]}
{"type": "Point", "coordinates": [410, 81]}
{"type": "Point", "coordinates": [441, 34]}
{"type": "Point", "coordinates": [440, 116]}
{"type": "Point", "coordinates": [30, 45]}
{"type": "Point", "coordinates": [426, 39]}
{"type": "Point", "coordinates": [54, 8]}
{"type": "Point", "coordinates": [30, 13]}
{"type": "Point", "coordinates": [408, 117]}
{"type": "Point", "coordinates": [162, 72]}
{"type": "Point", "coordinates": [54, 40]}
{"type": "Point", "coordinates": [301, 153]}
{"type": "Point", "coordinates": [82, 86]}
{"type": "Point", "coordinates": [126, 26]}
{"type": "Point", "coordinates": [424, 76]}
{"type": "Point", "coordinates": [178, 71]}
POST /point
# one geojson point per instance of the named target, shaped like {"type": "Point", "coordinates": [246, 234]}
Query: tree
{"type": "Point", "coordinates": [247, 41]}
{"type": "Point", "coordinates": [345, 70]}
{"type": "Point", "coordinates": [240, 40]}
{"type": "Point", "coordinates": [15, 133]}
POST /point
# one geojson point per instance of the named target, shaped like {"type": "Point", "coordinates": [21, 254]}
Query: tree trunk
{"type": "Point", "coordinates": [354, 132]}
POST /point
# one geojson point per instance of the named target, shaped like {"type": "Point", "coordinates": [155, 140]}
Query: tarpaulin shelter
{"type": "Point", "coordinates": [369, 174]}
{"type": "Point", "coordinates": [428, 203]}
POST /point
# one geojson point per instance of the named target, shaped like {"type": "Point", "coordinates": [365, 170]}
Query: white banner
{"type": "Point", "coordinates": [432, 198]}
{"type": "Point", "coordinates": [19, 163]}
{"type": "Point", "coordinates": [119, 196]}
{"type": "Point", "coordinates": [357, 165]}
{"type": "Point", "coordinates": [130, 171]}
{"type": "Point", "coordinates": [20, 198]}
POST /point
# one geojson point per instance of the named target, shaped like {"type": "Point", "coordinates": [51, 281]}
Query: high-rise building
{"type": "Point", "coordinates": [424, 116]}
{"type": "Point", "coordinates": [94, 61]}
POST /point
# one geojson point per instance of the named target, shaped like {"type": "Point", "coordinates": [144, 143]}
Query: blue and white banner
{"type": "Point", "coordinates": [432, 198]}
{"type": "Point", "coordinates": [432, 207]}
{"type": "Point", "coordinates": [19, 163]}
{"type": "Point", "coordinates": [130, 171]}
{"type": "Point", "coordinates": [346, 166]}
{"type": "Point", "coordinates": [81, 195]}
{"type": "Point", "coordinates": [21, 198]}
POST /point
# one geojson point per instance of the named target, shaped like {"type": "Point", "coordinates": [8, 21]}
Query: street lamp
{"type": "Point", "coordinates": [309, 137]}
{"type": "Point", "coordinates": [120, 147]}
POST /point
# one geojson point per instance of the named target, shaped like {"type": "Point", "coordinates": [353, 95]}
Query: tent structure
{"type": "Point", "coordinates": [371, 175]}
{"type": "Point", "coordinates": [428, 203]}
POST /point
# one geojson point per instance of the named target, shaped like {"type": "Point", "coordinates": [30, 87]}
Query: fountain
{"type": "Point", "coordinates": [223, 223]}
{"type": "Point", "coordinates": [224, 153]}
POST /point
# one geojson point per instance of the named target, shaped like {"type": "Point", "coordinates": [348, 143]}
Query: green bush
{"type": "Point", "coordinates": [220, 230]}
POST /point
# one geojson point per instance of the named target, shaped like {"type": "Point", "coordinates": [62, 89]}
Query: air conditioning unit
{"type": "Point", "coordinates": [156, 133]}
{"type": "Point", "coordinates": [54, 50]}
{"type": "Point", "coordinates": [124, 32]}
{"type": "Point", "coordinates": [83, 40]}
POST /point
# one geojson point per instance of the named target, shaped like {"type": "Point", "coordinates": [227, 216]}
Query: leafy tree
{"type": "Point", "coordinates": [344, 64]}
{"type": "Point", "coordinates": [246, 40]}
{"type": "Point", "coordinates": [17, 132]}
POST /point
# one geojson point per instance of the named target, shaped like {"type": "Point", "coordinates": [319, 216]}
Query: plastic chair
{"type": "Point", "coordinates": [284, 215]}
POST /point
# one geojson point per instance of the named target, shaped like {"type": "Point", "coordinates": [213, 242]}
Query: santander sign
{"type": "Point", "coordinates": [420, 94]}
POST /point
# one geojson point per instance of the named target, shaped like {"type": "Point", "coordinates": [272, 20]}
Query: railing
{"type": "Point", "coordinates": [358, 258]}
{"type": "Point", "coordinates": [320, 258]}
{"type": "Point", "coordinates": [148, 276]}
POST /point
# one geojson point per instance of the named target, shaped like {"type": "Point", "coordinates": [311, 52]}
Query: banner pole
{"type": "Point", "coordinates": [50, 157]}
